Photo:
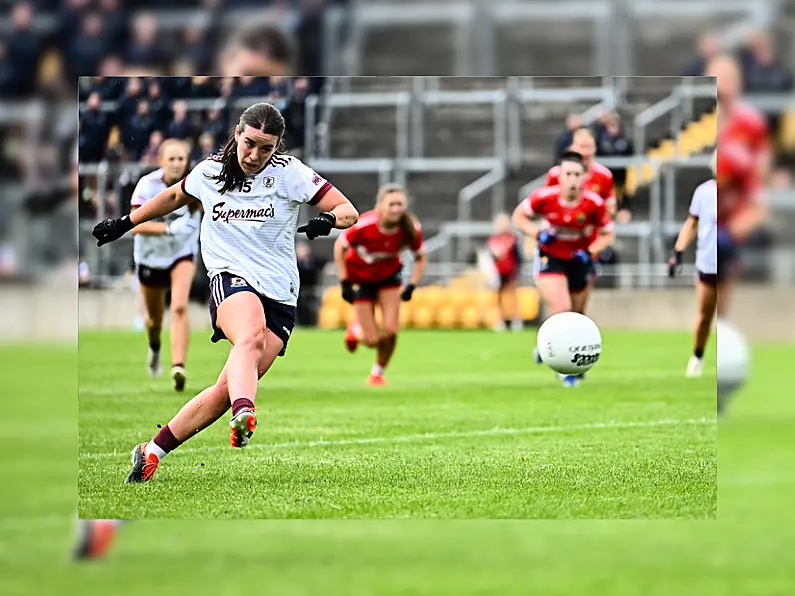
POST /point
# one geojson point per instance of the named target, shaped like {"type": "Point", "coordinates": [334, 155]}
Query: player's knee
{"type": "Point", "coordinates": [152, 324]}
{"type": "Point", "coordinates": [254, 341]}
{"type": "Point", "coordinates": [390, 331]}
{"type": "Point", "coordinates": [371, 340]}
{"type": "Point", "coordinates": [179, 311]}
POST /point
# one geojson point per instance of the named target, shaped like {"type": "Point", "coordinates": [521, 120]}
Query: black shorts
{"type": "Point", "coordinates": [708, 279]}
{"type": "Point", "coordinates": [579, 275]}
{"type": "Point", "coordinates": [280, 318]}
{"type": "Point", "coordinates": [368, 291]}
{"type": "Point", "coordinates": [159, 278]}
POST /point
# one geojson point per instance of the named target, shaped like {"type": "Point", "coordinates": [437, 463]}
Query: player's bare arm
{"type": "Point", "coordinates": [150, 228]}
{"type": "Point", "coordinates": [340, 246]}
{"type": "Point", "coordinates": [524, 222]}
{"type": "Point", "coordinates": [161, 204]}
{"type": "Point", "coordinates": [340, 207]}
{"type": "Point", "coordinates": [603, 240]}
{"type": "Point", "coordinates": [686, 234]}
{"type": "Point", "coordinates": [420, 261]}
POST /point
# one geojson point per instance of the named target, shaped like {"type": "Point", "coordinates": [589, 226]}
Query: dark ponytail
{"type": "Point", "coordinates": [264, 117]}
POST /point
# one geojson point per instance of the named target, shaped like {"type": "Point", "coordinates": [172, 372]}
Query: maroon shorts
{"type": "Point", "coordinates": [159, 278]}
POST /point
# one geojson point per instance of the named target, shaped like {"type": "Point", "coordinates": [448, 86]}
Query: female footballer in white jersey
{"type": "Point", "coordinates": [165, 253]}
{"type": "Point", "coordinates": [703, 222]}
{"type": "Point", "coordinates": [251, 196]}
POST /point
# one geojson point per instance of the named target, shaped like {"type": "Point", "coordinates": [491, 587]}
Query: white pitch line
{"type": "Point", "coordinates": [496, 431]}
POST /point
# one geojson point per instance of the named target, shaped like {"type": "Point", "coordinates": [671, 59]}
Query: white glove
{"type": "Point", "coordinates": [182, 226]}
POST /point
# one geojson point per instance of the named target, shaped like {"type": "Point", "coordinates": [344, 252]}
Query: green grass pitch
{"type": "Point", "coordinates": [747, 550]}
{"type": "Point", "coordinates": [468, 428]}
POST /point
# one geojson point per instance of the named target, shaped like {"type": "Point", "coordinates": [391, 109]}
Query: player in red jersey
{"type": "Point", "coordinates": [598, 178]}
{"type": "Point", "coordinates": [744, 162]}
{"type": "Point", "coordinates": [576, 227]}
{"type": "Point", "coordinates": [503, 246]}
{"type": "Point", "coordinates": [368, 260]}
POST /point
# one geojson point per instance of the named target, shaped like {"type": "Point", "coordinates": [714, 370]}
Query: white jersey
{"type": "Point", "coordinates": [160, 252]}
{"type": "Point", "coordinates": [250, 232]}
{"type": "Point", "coordinates": [704, 206]}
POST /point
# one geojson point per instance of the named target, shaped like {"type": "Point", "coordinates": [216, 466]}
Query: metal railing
{"type": "Point", "coordinates": [475, 26]}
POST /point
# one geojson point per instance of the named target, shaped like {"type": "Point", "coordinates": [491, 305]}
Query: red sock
{"type": "Point", "coordinates": [241, 404]}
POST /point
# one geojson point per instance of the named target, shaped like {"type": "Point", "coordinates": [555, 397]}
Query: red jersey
{"type": "Point", "coordinates": [574, 224]}
{"type": "Point", "coordinates": [743, 143]}
{"type": "Point", "coordinates": [598, 179]}
{"type": "Point", "coordinates": [504, 248]}
{"type": "Point", "coordinates": [373, 254]}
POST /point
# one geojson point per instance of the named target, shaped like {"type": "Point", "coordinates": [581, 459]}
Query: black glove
{"type": "Point", "coordinates": [348, 293]}
{"type": "Point", "coordinates": [321, 225]}
{"type": "Point", "coordinates": [405, 296]}
{"type": "Point", "coordinates": [675, 264]}
{"type": "Point", "coordinates": [112, 229]}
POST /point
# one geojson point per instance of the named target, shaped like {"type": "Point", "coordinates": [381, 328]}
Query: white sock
{"type": "Point", "coordinates": [151, 447]}
{"type": "Point", "coordinates": [377, 371]}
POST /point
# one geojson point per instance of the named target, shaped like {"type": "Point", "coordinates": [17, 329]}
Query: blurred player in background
{"type": "Point", "coordinates": [503, 246]}
{"type": "Point", "coordinates": [368, 261]}
{"type": "Point", "coordinates": [252, 194]}
{"type": "Point", "coordinates": [165, 254]}
{"type": "Point", "coordinates": [598, 178]}
{"type": "Point", "coordinates": [702, 222]}
{"type": "Point", "coordinates": [576, 227]}
{"type": "Point", "coordinates": [743, 168]}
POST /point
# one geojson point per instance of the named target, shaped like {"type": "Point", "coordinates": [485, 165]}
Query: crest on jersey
{"type": "Point", "coordinates": [269, 181]}
{"type": "Point", "coordinates": [596, 188]}
{"type": "Point", "coordinates": [237, 282]}
{"type": "Point", "coordinates": [581, 217]}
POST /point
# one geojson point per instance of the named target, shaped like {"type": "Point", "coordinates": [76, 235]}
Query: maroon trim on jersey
{"type": "Point", "coordinates": [182, 186]}
{"type": "Point", "coordinates": [321, 193]}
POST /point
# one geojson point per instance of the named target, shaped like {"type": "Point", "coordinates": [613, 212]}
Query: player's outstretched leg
{"type": "Point", "coordinates": [199, 413]}
{"type": "Point", "coordinates": [389, 302]}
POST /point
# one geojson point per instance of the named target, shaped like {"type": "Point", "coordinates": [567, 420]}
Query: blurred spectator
{"type": "Point", "coordinates": [129, 100]}
{"type": "Point", "coordinates": [217, 125]}
{"type": "Point", "coordinates": [180, 127]}
{"type": "Point", "coordinates": [709, 46]}
{"type": "Point", "coordinates": [94, 128]}
{"type": "Point", "coordinates": [116, 18]}
{"type": "Point", "coordinates": [563, 142]}
{"type": "Point", "coordinates": [88, 48]}
{"type": "Point", "coordinates": [252, 87]}
{"type": "Point", "coordinates": [159, 105]}
{"type": "Point", "coordinates": [137, 129]}
{"type": "Point", "coordinates": [295, 114]}
{"type": "Point", "coordinates": [763, 72]}
{"type": "Point", "coordinates": [23, 49]}
{"type": "Point", "coordinates": [194, 48]}
{"type": "Point", "coordinates": [143, 49]}
{"type": "Point", "coordinates": [150, 156]}
{"type": "Point", "coordinates": [203, 88]}
{"type": "Point", "coordinates": [227, 87]}
{"type": "Point", "coordinates": [611, 141]}
{"type": "Point", "coordinates": [206, 147]}
{"type": "Point", "coordinates": [310, 270]}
